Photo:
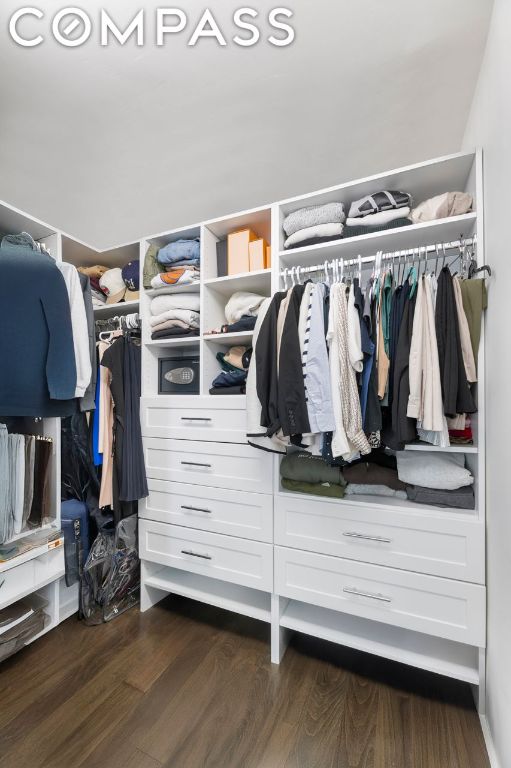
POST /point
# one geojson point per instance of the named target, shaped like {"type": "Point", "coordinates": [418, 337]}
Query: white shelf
{"type": "Point", "coordinates": [30, 532]}
{"type": "Point", "coordinates": [388, 240]}
{"type": "Point", "coordinates": [231, 597]}
{"type": "Point", "coordinates": [438, 449]}
{"type": "Point", "coordinates": [123, 307]}
{"type": "Point", "coordinates": [171, 289]}
{"type": "Point", "coordinates": [443, 657]}
{"type": "Point", "coordinates": [256, 282]}
{"type": "Point", "coordinates": [177, 342]}
{"type": "Point", "coordinates": [245, 337]}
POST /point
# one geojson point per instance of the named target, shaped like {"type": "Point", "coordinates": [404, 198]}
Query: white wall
{"type": "Point", "coordinates": [490, 127]}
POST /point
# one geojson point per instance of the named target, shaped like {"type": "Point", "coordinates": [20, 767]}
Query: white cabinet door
{"type": "Point", "coordinates": [235, 513]}
{"type": "Point", "coordinates": [445, 608]}
{"type": "Point", "coordinates": [220, 465]}
{"type": "Point", "coordinates": [240, 561]}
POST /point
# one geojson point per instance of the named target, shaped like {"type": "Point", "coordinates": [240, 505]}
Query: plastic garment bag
{"type": "Point", "coordinates": [111, 577]}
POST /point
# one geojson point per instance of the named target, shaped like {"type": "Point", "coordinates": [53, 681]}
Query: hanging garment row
{"type": "Point", "coordinates": [117, 435]}
{"type": "Point", "coordinates": [341, 368]}
{"type": "Point", "coordinates": [24, 482]}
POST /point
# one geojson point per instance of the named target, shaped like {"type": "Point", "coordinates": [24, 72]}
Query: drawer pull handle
{"type": "Point", "coordinates": [371, 595]}
{"type": "Point", "coordinates": [195, 554]}
{"type": "Point", "coordinates": [195, 464]}
{"type": "Point", "coordinates": [353, 535]}
{"type": "Point", "coordinates": [197, 509]}
{"type": "Point", "coordinates": [195, 418]}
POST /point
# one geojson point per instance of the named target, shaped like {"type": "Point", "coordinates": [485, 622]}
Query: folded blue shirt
{"type": "Point", "coordinates": [179, 250]}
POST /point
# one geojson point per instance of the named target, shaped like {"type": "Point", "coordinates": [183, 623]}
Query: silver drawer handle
{"type": "Point", "coordinates": [371, 595]}
{"type": "Point", "coordinates": [353, 535]}
{"type": "Point", "coordinates": [197, 509]}
{"type": "Point", "coordinates": [195, 418]}
{"type": "Point", "coordinates": [195, 464]}
{"type": "Point", "coordinates": [195, 554]}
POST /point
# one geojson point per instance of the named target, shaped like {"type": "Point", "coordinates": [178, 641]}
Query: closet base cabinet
{"type": "Point", "coordinates": [206, 528]}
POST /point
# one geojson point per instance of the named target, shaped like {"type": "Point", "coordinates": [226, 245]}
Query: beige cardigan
{"type": "Point", "coordinates": [425, 400]}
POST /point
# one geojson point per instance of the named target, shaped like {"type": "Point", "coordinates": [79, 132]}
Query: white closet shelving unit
{"type": "Point", "coordinates": [37, 571]}
{"type": "Point", "coordinates": [394, 578]}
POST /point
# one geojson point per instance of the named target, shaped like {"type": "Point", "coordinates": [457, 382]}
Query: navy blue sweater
{"type": "Point", "coordinates": [37, 359]}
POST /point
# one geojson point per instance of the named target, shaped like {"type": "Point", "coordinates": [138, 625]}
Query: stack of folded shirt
{"type": "Point", "coordinates": [462, 434]}
{"type": "Point", "coordinates": [439, 479]}
{"type": "Point", "coordinates": [232, 378]}
{"type": "Point", "coordinates": [302, 472]}
{"type": "Point", "coordinates": [383, 210]}
{"type": "Point", "coordinates": [175, 277]}
{"type": "Point", "coordinates": [371, 479]}
{"type": "Point", "coordinates": [175, 315]}
{"type": "Point", "coordinates": [180, 254]}
{"type": "Point", "coordinates": [241, 312]}
{"type": "Point", "coordinates": [314, 224]}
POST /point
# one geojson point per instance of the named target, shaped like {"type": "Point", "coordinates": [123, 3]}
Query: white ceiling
{"type": "Point", "coordinates": [111, 144]}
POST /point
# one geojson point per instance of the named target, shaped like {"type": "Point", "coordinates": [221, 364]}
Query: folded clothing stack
{"type": "Point", "coordinates": [241, 312]}
{"type": "Point", "coordinates": [178, 263]}
{"type": "Point", "coordinates": [232, 378]}
{"type": "Point", "coordinates": [175, 315]}
{"type": "Point", "coordinates": [374, 478]}
{"type": "Point", "coordinates": [439, 479]}
{"type": "Point", "coordinates": [301, 472]}
{"type": "Point", "coordinates": [462, 433]}
{"type": "Point", "coordinates": [382, 210]}
{"type": "Point", "coordinates": [314, 224]}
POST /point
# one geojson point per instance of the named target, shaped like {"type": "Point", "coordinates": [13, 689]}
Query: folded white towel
{"type": "Point", "coordinates": [188, 316]}
{"type": "Point", "coordinates": [333, 229]}
{"type": "Point", "coordinates": [242, 303]}
{"type": "Point", "coordinates": [166, 302]}
{"type": "Point", "coordinates": [377, 219]}
{"type": "Point", "coordinates": [429, 469]}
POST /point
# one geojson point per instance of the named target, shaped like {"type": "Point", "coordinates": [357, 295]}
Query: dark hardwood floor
{"type": "Point", "coordinates": [189, 686]}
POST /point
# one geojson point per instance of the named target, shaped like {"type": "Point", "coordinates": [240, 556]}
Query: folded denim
{"type": "Point", "coordinates": [246, 323]}
{"type": "Point", "coordinates": [313, 215]}
{"type": "Point", "coordinates": [179, 250]}
{"type": "Point", "coordinates": [229, 379]}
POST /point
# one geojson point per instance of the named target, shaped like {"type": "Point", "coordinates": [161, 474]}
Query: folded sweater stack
{"type": "Point", "coordinates": [382, 210]}
{"type": "Point", "coordinates": [240, 313]}
{"type": "Point", "coordinates": [438, 479]}
{"type": "Point", "coordinates": [314, 224]}
{"type": "Point", "coordinates": [302, 472]}
{"type": "Point", "coordinates": [180, 261]}
{"type": "Point", "coordinates": [175, 315]}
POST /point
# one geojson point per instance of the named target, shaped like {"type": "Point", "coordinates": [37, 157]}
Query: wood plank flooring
{"type": "Point", "coordinates": [188, 686]}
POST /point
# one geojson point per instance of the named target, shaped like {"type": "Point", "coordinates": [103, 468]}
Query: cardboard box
{"type": "Point", "coordinates": [238, 259]}
{"type": "Point", "coordinates": [257, 254]}
{"type": "Point", "coordinates": [267, 261]}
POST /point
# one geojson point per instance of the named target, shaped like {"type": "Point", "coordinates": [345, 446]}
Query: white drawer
{"type": "Point", "coordinates": [239, 561]}
{"type": "Point", "coordinates": [219, 465]}
{"type": "Point", "coordinates": [21, 580]}
{"type": "Point", "coordinates": [236, 513]}
{"type": "Point", "coordinates": [441, 545]}
{"type": "Point", "coordinates": [196, 421]}
{"type": "Point", "coordinates": [451, 609]}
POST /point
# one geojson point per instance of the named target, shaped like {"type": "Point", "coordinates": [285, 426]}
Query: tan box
{"type": "Point", "coordinates": [267, 261]}
{"type": "Point", "coordinates": [257, 254]}
{"type": "Point", "coordinates": [238, 259]}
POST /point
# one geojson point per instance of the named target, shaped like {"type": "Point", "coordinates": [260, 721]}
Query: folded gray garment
{"type": "Point", "coordinates": [313, 215]}
{"type": "Point", "coordinates": [359, 489]}
{"type": "Point", "coordinates": [461, 498]}
{"type": "Point", "coordinates": [310, 469]}
{"type": "Point", "coordinates": [378, 202]}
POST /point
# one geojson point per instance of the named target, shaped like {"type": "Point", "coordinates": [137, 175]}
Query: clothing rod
{"type": "Point", "coordinates": [420, 250]}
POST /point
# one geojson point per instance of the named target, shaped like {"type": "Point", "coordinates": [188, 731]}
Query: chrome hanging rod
{"type": "Point", "coordinates": [416, 252]}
